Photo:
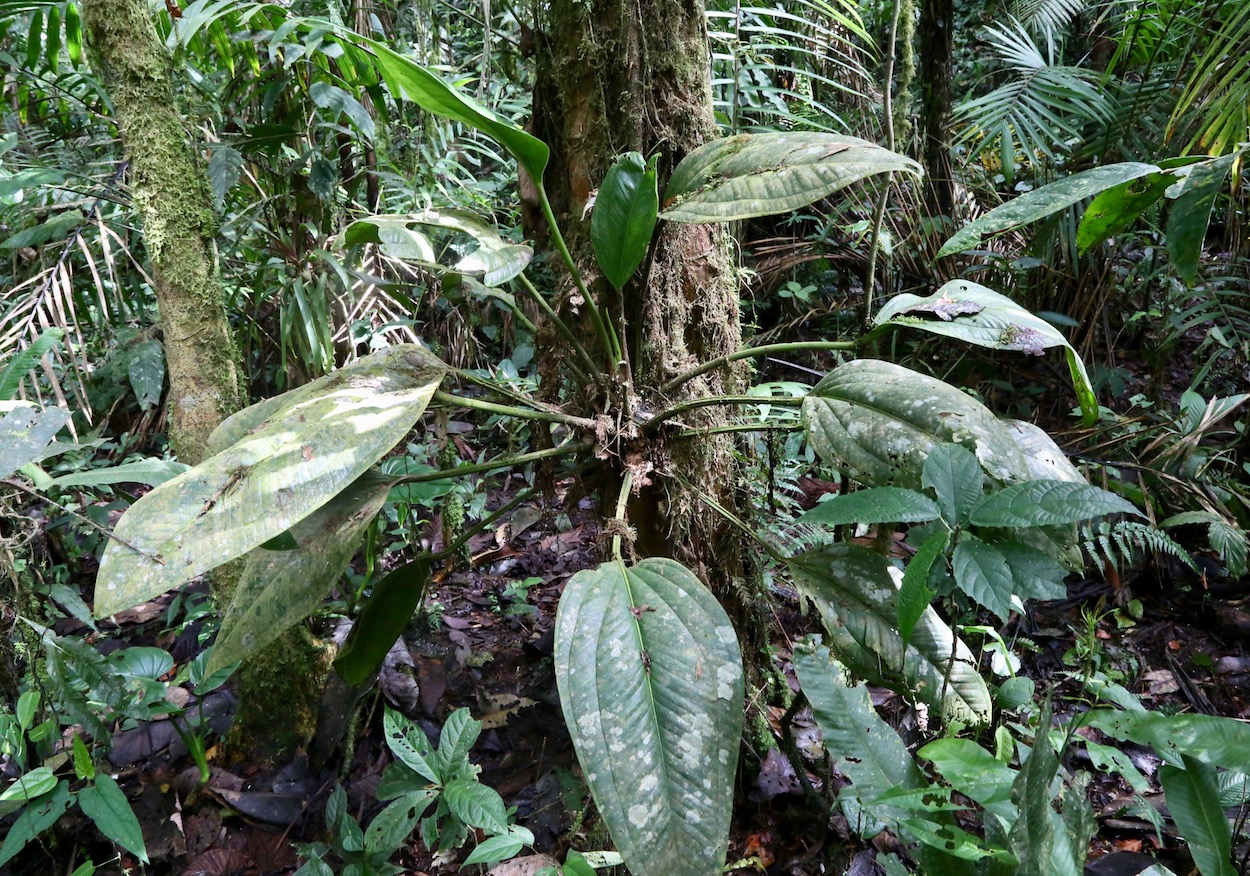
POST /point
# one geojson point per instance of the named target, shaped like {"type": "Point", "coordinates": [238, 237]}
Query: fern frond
{"type": "Point", "coordinates": [1123, 541]}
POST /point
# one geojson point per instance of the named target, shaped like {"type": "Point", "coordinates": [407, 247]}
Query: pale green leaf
{"type": "Point", "coordinates": [25, 432]}
{"type": "Point", "coordinates": [409, 745]}
{"type": "Point", "coordinates": [152, 472]}
{"type": "Point", "coordinates": [409, 237]}
{"type": "Point", "coordinates": [750, 175]}
{"type": "Point", "coordinates": [1211, 739]}
{"type": "Point", "coordinates": [650, 682]}
{"type": "Point", "coordinates": [311, 446]}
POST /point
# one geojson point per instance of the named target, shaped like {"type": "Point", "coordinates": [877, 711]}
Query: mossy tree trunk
{"type": "Point", "coordinates": [170, 191]}
{"type": "Point", "coordinates": [935, 36]}
{"type": "Point", "coordinates": [633, 75]}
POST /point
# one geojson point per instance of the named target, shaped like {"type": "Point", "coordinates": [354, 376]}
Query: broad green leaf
{"type": "Point", "coordinates": [751, 175]}
{"type": "Point", "coordinates": [459, 733]}
{"type": "Point", "coordinates": [313, 444]}
{"type": "Point", "coordinates": [857, 598]}
{"type": "Point", "coordinates": [18, 366]}
{"type": "Point", "coordinates": [650, 682]}
{"type": "Point", "coordinates": [869, 751]}
{"type": "Point", "coordinates": [1047, 503]}
{"type": "Point", "coordinates": [955, 477]}
{"type": "Point", "coordinates": [983, 574]}
{"type": "Point", "coordinates": [1194, 801]}
{"type": "Point", "coordinates": [624, 217]}
{"type": "Point", "coordinates": [1109, 759]}
{"type": "Point", "coordinates": [25, 432]}
{"type": "Point", "coordinates": [385, 615]}
{"type": "Point", "coordinates": [476, 805]}
{"type": "Point", "coordinates": [978, 315]}
{"type": "Point", "coordinates": [1214, 740]}
{"type": "Point", "coordinates": [1036, 575]}
{"type": "Point", "coordinates": [974, 772]}
{"type": "Point", "coordinates": [340, 103]}
{"type": "Point", "coordinates": [392, 826]}
{"type": "Point", "coordinates": [84, 768]}
{"type": "Point", "coordinates": [878, 422]}
{"type": "Point", "coordinates": [496, 849]}
{"type": "Point", "coordinates": [1044, 201]}
{"type": "Point", "coordinates": [279, 588]}
{"type": "Point", "coordinates": [152, 472]}
{"type": "Point", "coordinates": [146, 371]}
{"type": "Point", "coordinates": [1189, 216]}
{"type": "Point", "coordinates": [25, 787]}
{"type": "Point", "coordinates": [408, 79]}
{"type": "Point", "coordinates": [54, 229]}
{"type": "Point", "coordinates": [105, 803]}
{"type": "Point", "coordinates": [1118, 207]}
{"type": "Point", "coordinates": [874, 505]}
{"type": "Point", "coordinates": [408, 237]}
{"type": "Point", "coordinates": [409, 745]}
{"type": "Point", "coordinates": [37, 817]}
{"type": "Point", "coordinates": [914, 594]}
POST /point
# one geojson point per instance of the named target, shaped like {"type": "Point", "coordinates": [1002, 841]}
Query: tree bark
{"type": "Point", "coordinates": [936, 39]}
{"type": "Point", "coordinates": [171, 194]}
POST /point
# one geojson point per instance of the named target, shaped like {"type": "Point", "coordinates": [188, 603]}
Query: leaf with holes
{"type": "Point", "coordinates": [858, 602]}
{"type": "Point", "coordinates": [25, 432]}
{"type": "Point", "coordinates": [989, 320]}
{"type": "Point", "coordinates": [878, 422]}
{"type": "Point", "coordinates": [751, 175]}
{"type": "Point", "coordinates": [313, 445]}
{"type": "Point", "coordinates": [650, 681]}
{"type": "Point", "coordinates": [279, 588]}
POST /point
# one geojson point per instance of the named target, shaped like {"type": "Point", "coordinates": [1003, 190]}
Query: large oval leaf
{"type": "Point", "coordinates": [978, 315]}
{"type": "Point", "coordinates": [650, 681]}
{"type": "Point", "coordinates": [279, 588]}
{"type": "Point", "coordinates": [407, 237]}
{"type": "Point", "coordinates": [857, 599]}
{"type": "Point", "coordinates": [878, 421]}
{"type": "Point", "coordinates": [1044, 201]}
{"type": "Point", "coordinates": [762, 174]}
{"type": "Point", "coordinates": [624, 217]}
{"type": "Point", "coordinates": [1190, 215]}
{"type": "Point", "coordinates": [312, 446]}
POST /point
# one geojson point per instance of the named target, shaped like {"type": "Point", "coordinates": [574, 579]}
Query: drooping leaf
{"type": "Point", "coordinates": [18, 366]}
{"type": "Point", "coordinates": [1214, 740]}
{"type": "Point", "coordinates": [914, 594]}
{"type": "Point", "coordinates": [1194, 801]}
{"type": "Point", "coordinates": [410, 80]}
{"type": "Point", "coordinates": [874, 505]}
{"type": "Point", "coordinates": [1189, 216]}
{"type": "Point", "coordinates": [1044, 201]}
{"type": "Point", "coordinates": [317, 440]}
{"type": "Point", "coordinates": [105, 803]}
{"type": "Point", "coordinates": [982, 573]}
{"type": "Point", "coordinates": [144, 471]}
{"type": "Point", "coordinates": [1118, 207]}
{"type": "Point", "coordinates": [878, 422]}
{"type": "Point", "coordinates": [32, 821]}
{"type": "Point", "coordinates": [955, 477]}
{"type": "Point", "coordinates": [750, 175]}
{"type": "Point", "coordinates": [624, 217]}
{"type": "Point", "coordinates": [1046, 461]}
{"type": "Point", "coordinates": [25, 432]}
{"type": "Point", "coordinates": [147, 372]}
{"type": "Point", "coordinates": [1047, 503]}
{"type": "Point", "coordinates": [997, 322]}
{"type": "Point", "coordinates": [339, 102]}
{"type": "Point", "coordinates": [386, 613]}
{"type": "Point", "coordinates": [408, 237]}
{"type": "Point", "coordinates": [279, 588]}
{"type": "Point", "coordinates": [650, 682]}
{"type": "Point", "coordinates": [857, 598]}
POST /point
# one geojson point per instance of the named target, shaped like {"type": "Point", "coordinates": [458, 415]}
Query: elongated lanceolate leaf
{"type": "Point", "coordinates": [874, 505]}
{"type": "Point", "coordinates": [978, 315]}
{"type": "Point", "coordinates": [314, 444]}
{"type": "Point", "coordinates": [25, 432]}
{"type": "Point", "coordinates": [406, 237]}
{"type": "Point", "coordinates": [19, 365]}
{"type": "Point", "coordinates": [914, 594]}
{"type": "Point", "coordinates": [1189, 216]}
{"type": "Point", "coordinates": [279, 588]}
{"type": "Point", "coordinates": [650, 681]}
{"type": "Point", "coordinates": [105, 803]}
{"type": "Point", "coordinates": [878, 422]}
{"type": "Point", "coordinates": [408, 79]}
{"type": "Point", "coordinates": [1194, 800]}
{"type": "Point", "coordinates": [1047, 503]}
{"type": "Point", "coordinates": [857, 599]}
{"type": "Point", "coordinates": [1214, 740]}
{"type": "Point", "coordinates": [1044, 201]}
{"type": "Point", "coordinates": [386, 613]}
{"type": "Point", "coordinates": [624, 217]}
{"type": "Point", "coordinates": [751, 175]}
{"type": "Point", "coordinates": [1118, 207]}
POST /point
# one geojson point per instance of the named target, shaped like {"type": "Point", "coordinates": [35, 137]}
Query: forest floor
{"type": "Point", "coordinates": [487, 647]}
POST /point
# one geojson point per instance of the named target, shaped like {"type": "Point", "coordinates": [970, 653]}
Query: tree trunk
{"type": "Point", "coordinates": [170, 192]}
{"type": "Point", "coordinates": [623, 75]}
{"type": "Point", "coordinates": [936, 39]}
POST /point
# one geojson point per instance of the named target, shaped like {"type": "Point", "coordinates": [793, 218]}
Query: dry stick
{"type": "Point", "coordinates": [782, 402]}
{"type": "Point", "coordinates": [753, 352]}
{"type": "Point", "coordinates": [477, 468]}
{"type": "Point", "coordinates": [87, 520]}
{"type": "Point", "coordinates": [562, 327]}
{"type": "Point", "coordinates": [509, 411]}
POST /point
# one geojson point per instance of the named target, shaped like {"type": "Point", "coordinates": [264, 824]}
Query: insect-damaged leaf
{"type": "Point", "coordinates": [762, 174]}
{"type": "Point", "coordinates": [312, 443]}
{"type": "Point", "coordinates": [650, 680]}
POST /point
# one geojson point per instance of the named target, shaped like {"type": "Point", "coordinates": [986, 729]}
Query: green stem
{"type": "Point", "coordinates": [562, 327]}
{"type": "Point", "coordinates": [607, 337]}
{"type": "Point", "coordinates": [741, 427]}
{"type": "Point", "coordinates": [627, 484]}
{"type": "Point", "coordinates": [694, 404]}
{"type": "Point", "coordinates": [478, 467]}
{"type": "Point", "coordinates": [751, 353]}
{"type": "Point", "coordinates": [509, 411]}
{"type": "Point", "coordinates": [492, 386]}
{"type": "Point", "coordinates": [485, 522]}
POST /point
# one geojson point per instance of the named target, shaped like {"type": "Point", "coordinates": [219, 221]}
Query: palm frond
{"type": "Point", "coordinates": [1045, 17]}
{"type": "Point", "coordinates": [1215, 104]}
